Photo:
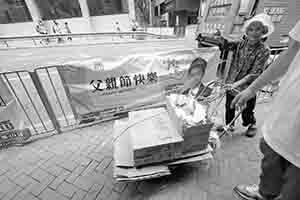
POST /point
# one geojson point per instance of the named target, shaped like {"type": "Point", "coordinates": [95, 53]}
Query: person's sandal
{"type": "Point", "coordinates": [250, 192]}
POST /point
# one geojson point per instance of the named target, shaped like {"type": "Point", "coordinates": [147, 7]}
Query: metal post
{"type": "Point", "coordinates": [6, 43]}
{"type": "Point", "coordinates": [19, 101]}
{"type": "Point", "coordinates": [41, 91]}
{"type": "Point", "coordinates": [160, 30]}
{"type": "Point", "coordinates": [34, 41]}
{"type": "Point", "coordinates": [31, 101]}
{"type": "Point", "coordinates": [68, 93]}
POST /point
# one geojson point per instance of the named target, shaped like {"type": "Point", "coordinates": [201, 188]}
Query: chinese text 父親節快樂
{"type": "Point", "coordinates": [125, 81]}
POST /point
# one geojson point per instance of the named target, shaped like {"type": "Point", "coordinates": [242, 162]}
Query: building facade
{"type": "Point", "coordinates": [175, 12]}
{"type": "Point", "coordinates": [19, 17]}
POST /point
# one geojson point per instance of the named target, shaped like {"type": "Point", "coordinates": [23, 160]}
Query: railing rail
{"type": "Point", "coordinates": [82, 35]}
{"type": "Point", "coordinates": [36, 40]}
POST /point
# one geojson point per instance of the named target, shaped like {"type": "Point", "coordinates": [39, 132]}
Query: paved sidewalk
{"type": "Point", "coordinates": [78, 165]}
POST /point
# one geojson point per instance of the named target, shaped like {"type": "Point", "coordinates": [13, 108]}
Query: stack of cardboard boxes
{"type": "Point", "coordinates": [150, 140]}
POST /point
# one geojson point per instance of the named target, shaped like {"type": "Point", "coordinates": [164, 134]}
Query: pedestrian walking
{"type": "Point", "coordinates": [280, 166]}
{"type": "Point", "coordinates": [134, 27]}
{"type": "Point", "coordinates": [41, 29]}
{"type": "Point", "coordinates": [118, 29]}
{"type": "Point", "coordinates": [67, 30]}
{"type": "Point", "coordinates": [57, 30]}
{"type": "Point", "coordinates": [249, 60]}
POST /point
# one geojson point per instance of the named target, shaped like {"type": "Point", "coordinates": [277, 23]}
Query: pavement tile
{"type": "Point", "coordinates": [42, 176]}
{"type": "Point", "coordinates": [68, 165]}
{"type": "Point", "coordinates": [54, 170]}
{"type": "Point", "coordinates": [67, 189]}
{"type": "Point", "coordinates": [90, 168]}
{"type": "Point", "coordinates": [45, 153]}
{"type": "Point", "coordinates": [24, 195]}
{"type": "Point", "coordinates": [16, 162]}
{"type": "Point", "coordinates": [109, 170]}
{"type": "Point", "coordinates": [84, 182]}
{"type": "Point", "coordinates": [129, 191]}
{"type": "Point", "coordinates": [33, 157]}
{"type": "Point", "coordinates": [24, 180]}
{"type": "Point", "coordinates": [41, 162]}
{"type": "Point", "coordinates": [48, 163]}
{"type": "Point", "coordinates": [29, 169]}
{"type": "Point", "coordinates": [12, 173]}
{"type": "Point", "coordinates": [6, 185]}
{"type": "Point", "coordinates": [74, 175]}
{"type": "Point", "coordinates": [3, 169]}
{"type": "Point", "coordinates": [104, 164]}
{"type": "Point", "coordinates": [49, 194]}
{"type": "Point", "coordinates": [79, 195]}
{"type": "Point", "coordinates": [98, 178]}
{"type": "Point", "coordinates": [88, 149]}
{"type": "Point", "coordinates": [37, 187]}
{"type": "Point", "coordinates": [83, 160]}
{"type": "Point", "coordinates": [119, 187]}
{"type": "Point", "coordinates": [93, 192]}
{"type": "Point", "coordinates": [12, 193]}
{"type": "Point", "coordinates": [59, 179]}
{"type": "Point", "coordinates": [105, 192]}
{"type": "Point", "coordinates": [114, 196]}
{"type": "Point", "coordinates": [98, 156]}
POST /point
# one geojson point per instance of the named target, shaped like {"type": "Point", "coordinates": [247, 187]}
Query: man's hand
{"type": "Point", "coordinates": [241, 99]}
{"type": "Point", "coordinates": [235, 85]}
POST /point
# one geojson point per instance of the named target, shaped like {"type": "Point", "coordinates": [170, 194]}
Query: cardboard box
{"type": "Point", "coordinates": [195, 137]}
{"type": "Point", "coordinates": [124, 169]}
{"type": "Point", "coordinates": [153, 138]}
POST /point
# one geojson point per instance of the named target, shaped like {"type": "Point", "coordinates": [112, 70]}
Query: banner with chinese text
{"type": "Point", "coordinates": [97, 88]}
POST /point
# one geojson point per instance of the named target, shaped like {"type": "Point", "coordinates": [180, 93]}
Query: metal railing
{"type": "Point", "coordinates": [26, 91]}
{"type": "Point", "coordinates": [75, 38]}
{"type": "Point", "coordinates": [42, 99]}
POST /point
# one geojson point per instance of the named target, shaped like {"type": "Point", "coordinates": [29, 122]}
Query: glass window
{"type": "Point", "coordinates": [58, 9]}
{"type": "Point", "coordinates": [107, 7]}
{"type": "Point", "coordinates": [142, 11]}
{"type": "Point", "coordinates": [162, 8]}
{"type": "Point", "coordinates": [13, 11]}
{"type": "Point", "coordinates": [221, 11]}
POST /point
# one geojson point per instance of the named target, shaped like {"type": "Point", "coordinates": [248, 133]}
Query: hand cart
{"type": "Point", "coordinates": [129, 172]}
{"type": "Point", "coordinates": [218, 98]}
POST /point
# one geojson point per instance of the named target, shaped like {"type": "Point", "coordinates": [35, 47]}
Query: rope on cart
{"type": "Point", "coordinates": [135, 123]}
